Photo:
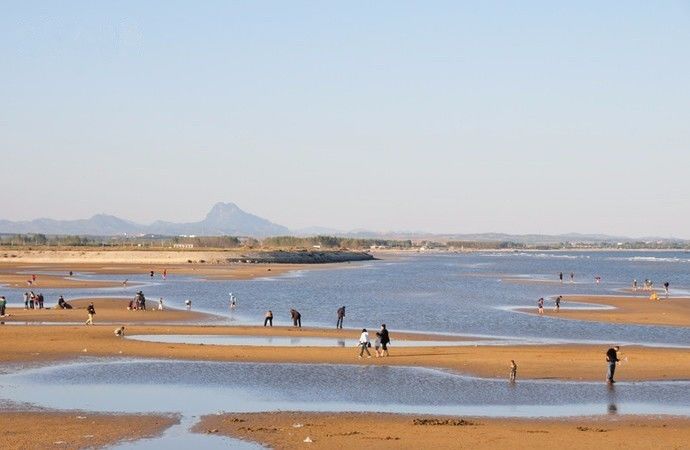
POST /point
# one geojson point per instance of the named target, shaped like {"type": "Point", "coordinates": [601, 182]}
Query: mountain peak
{"type": "Point", "coordinates": [221, 209]}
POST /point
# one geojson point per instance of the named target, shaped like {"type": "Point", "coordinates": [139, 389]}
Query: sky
{"type": "Point", "coordinates": [445, 117]}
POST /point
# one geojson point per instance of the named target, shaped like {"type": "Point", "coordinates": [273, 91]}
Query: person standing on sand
{"type": "Point", "coordinates": [341, 316]}
{"type": "Point", "coordinates": [611, 361]}
{"type": "Point", "coordinates": [26, 300]}
{"type": "Point", "coordinates": [160, 304]}
{"type": "Point", "coordinates": [165, 274]}
{"type": "Point", "coordinates": [513, 371]}
{"type": "Point", "coordinates": [296, 318]}
{"type": "Point", "coordinates": [3, 304]}
{"type": "Point", "coordinates": [666, 288]}
{"type": "Point", "coordinates": [91, 311]}
{"type": "Point", "coordinates": [558, 303]}
{"type": "Point", "coordinates": [635, 285]}
{"type": "Point", "coordinates": [32, 299]}
{"type": "Point", "coordinates": [268, 318]}
{"type": "Point", "coordinates": [364, 343]}
{"type": "Point", "coordinates": [540, 305]}
{"type": "Point", "coordinates": [385, 339]}
{"type": "Point", "coordinates": [572, 277]}
{"type": "Point", "coordinates": [560, 276]}
{"type": "Point", "coordinates": [40, 301]}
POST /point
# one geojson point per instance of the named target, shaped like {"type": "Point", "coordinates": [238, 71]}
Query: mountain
{"type": "Point", "coordinates": [223, 219]}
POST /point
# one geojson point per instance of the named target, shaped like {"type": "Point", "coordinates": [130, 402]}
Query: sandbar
{"type": "Point", "coordinates": [288, 430]}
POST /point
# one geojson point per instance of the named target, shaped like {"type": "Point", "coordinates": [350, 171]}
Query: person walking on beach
{"type": "Point", "coordinates": [268, 318]}
{"type": "Point", "coordinates": [540, 305]}
{"type": "Point", "coordinates": [558, 303]}
{"type": "Point", "coordinates": [364, 343]}
{"type": "Point", "coordinates": [160, 304]}
{"type": "Point", "coordinates": [385, 339]}
{"type": "Point", "coordinates": [296, 318]}
{"type": "Point", "coordinates": [341, 316]}
{"type": "Point", "coordinates": [666, 288]}
{"type": "Point", "coordinates": [611, 361]}
{"type": "Point", "coordinates": [3, 304]}
{"type": "Point", "coordinates": [513, 371]}
{"type": "Point", "coordinates": [91, 311]}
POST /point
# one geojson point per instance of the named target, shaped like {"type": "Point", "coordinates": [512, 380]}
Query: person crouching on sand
{"type": "Point", "coordinates": [364, 343]}
{"type": "Point", "coordinates": [120, 332]}
{"type": "Point", "coordinates": [91, 311]}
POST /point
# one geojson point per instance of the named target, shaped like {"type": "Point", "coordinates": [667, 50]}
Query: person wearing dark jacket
{"type": "Point", "coordinates": [296, 318]}
{"type": "Point", "coordinates": [382, 334]}
{"type": "Point", "coordinates": [91, 311]}
{"type": "Point", "coordinates": [611, 360]}
{"type": "Point", "coordinates": [341, 316]}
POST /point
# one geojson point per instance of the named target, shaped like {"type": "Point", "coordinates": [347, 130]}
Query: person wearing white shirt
{"type": "Point", "coordinates": [364, 343]}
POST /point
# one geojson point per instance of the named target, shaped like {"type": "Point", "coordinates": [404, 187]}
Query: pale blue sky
{"type": "Point", "coordinates": [436, 116]}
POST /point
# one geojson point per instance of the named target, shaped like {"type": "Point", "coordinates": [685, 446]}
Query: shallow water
{"type": "Point", "coordinates": [195, 388]}
{"type": "Point", "coordinates": [281, 341]}
{"type": "Point", "coordinates": [449, 293]}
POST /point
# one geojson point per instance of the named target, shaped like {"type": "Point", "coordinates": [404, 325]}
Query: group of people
{"type": "Point", "coordinates": [648, 285]}
{"type": "Point", "coordinates": [380, 344]}
{"type": "Point", "coordinates": [138, 303]}
{"type": "Point", "coordinates": [572, 277]}
{"type": "Point", "coordinates": [557, 304]}
{"type": "Point", "coordinates": [33, 301]}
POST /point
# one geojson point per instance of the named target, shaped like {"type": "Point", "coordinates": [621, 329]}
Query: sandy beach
{"type": "Point", "coordinates": [288, 430]}
{"type": "Point", "coordinates": [674, 311]}
{"type": "Point", "coordinates": [38, 344]}
{"type": "Point", "coordinates": [76, 429]}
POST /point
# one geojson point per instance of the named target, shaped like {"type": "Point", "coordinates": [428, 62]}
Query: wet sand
{"type": "Point", "coordinates": [674, 311]}
{"type": "Point", "coordinates": [288, 430]}
{"type": "Point", "coordinates": [76, 429]}
{"type": "Point", "coordinates": [40, 344]}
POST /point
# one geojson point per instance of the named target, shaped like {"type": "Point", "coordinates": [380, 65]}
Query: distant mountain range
{"type": "Point", "coordinates": [223, 219]}
{"type": "Point", "coordinates": [227, 219]}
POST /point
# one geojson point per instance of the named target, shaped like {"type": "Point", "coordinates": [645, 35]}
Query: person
{"type": "Point", "coordinates": [91, 311]}
{"type": "Point", "coordinates": [233, 301]}
{"type": "Point", "coordinates": [634, 285]}
{"type": "Point", "coordinates": [40, 301]}
{"type": "Point", "coordinates": [540, 305]}
{"type": "Point", "coordinates": [513, 371]}
{"type": "Point", "coordinates": [558, 302]}
{"type": "Point", "coordinates": [71, 273]}
{"type": "Point", "coordinates": [611, 360]}
{"type": "Point", "coordinates": [120, 332]}
{"type": "Point", "coordinates": [377, 345]}
{"type": "Point", "coordinates": [666, 288]}
{"type": "Point", "coordinates": [124, 283]}
{"type": "Point", "coordinates": [268, 318]}
{"type": "Point", "coordinates": [296, 318]}
{"type": "Point", "coordinates": [142, 301]}
{"type": "Point", "coordinates": [560, 276]}
{"type": "Point", "coordinates": [572, 277]}
{"type": "Point", "coordinates": [654, 296]}
{"type": "Point", "coordinates": [61, 302]}
{"type": "Point", "coordinates": [597, 279]}
{"type": "Point", "coordinates": [3, 304]}
{"type": "Point", "coordinates": [32, 299]}
{"type": "Point", "coordinates": [165, 274]}
{"type": "Point", "coordinates": [26, 300]}
{"type": "Point", "coordinates": [160, 304]}
{"type": "Point", "coordinates": [188, 304]}
{"type": "Point", "coordinates": [385, 339]}
{"type": "Point", "coordinates": [341, 316]}
{"type": "Point", "coordinates": [364, 343]}
{"type": "Point", "coordinates": [151, 273]}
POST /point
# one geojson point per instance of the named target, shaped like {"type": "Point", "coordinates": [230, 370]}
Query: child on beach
{"type": "Point", "coordinates": [120, 332]}
{"type": "Point", "coordinates": [540, 305]}
{"type": "Point", "coordinates": [91, 311]}
{"type": "Point", "coordinates": [513, 371]}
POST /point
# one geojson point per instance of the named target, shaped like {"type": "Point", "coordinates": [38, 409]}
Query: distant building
{"type": "Point", "coordinates": [183, 245]}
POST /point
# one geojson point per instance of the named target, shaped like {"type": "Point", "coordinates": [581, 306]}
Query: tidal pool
{"type": "Point", "coordinates": [194, 388]}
